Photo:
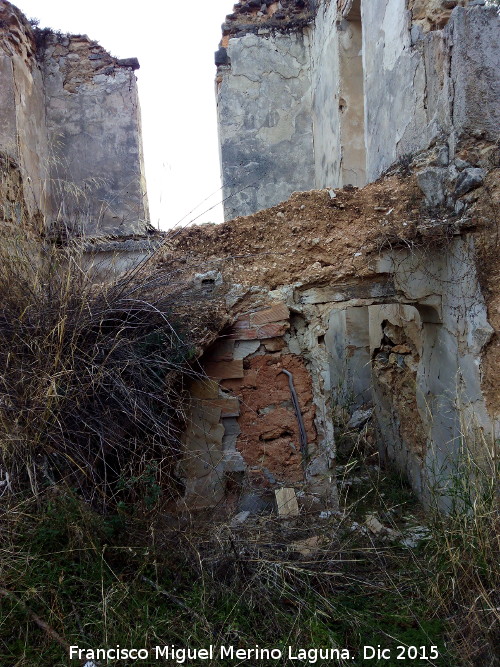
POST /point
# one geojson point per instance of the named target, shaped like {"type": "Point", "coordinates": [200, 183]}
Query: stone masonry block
{"type": "Point", "coordinates": [272, 330]}
{"type": "Point", "coordinates": [230, 407]}
{"type": "Point", "coordinates": [224, 370]}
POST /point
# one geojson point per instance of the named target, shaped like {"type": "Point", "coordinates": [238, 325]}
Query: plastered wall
{"type": "Point", "coordinates": [337, 101]}
{"type": "Point", "coordinates": [423, 87]}
{"type": "Point", "coordinates": [416, 358]}
{"type": "Point", "coordinates": [70, 123]}
{"type": "Point", "coordinates": [264, 111]}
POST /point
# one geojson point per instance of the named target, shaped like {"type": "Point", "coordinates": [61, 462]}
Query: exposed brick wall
{"type": "Point", "coordinates": [269, 440]}
{"type": "Point", "coordinates": [242, 420]}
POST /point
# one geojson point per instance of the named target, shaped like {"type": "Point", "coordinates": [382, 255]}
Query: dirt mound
{"type": "Point", "coordinates": [314, 237]}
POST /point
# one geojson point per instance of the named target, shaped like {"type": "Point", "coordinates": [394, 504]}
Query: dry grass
{"type": "Point", "coordinates": [90, 375]}
{"type": "Point", "coordinates": [90, 416]}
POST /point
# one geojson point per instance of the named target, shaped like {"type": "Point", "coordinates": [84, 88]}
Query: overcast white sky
{"type": "Point", "coordinates": [175, 43]}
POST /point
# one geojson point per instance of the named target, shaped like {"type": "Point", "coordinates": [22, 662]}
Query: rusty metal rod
{"type": "Point", "coordinates": [298, 414]}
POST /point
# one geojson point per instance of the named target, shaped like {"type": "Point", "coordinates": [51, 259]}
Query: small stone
{"type": "Point", "coordinates": [332, 194]}
{"type": "Point", "coordinates": [274, 344]}
{"type": "Point", "coordinates": [359, 418]}
{"type": "Point", "coordinates": [416, 34]}
{"type": "Point", "coordinates": [450, 203]}
{"type": "Point", "coordinates": [402, 349]}
{"type": "Point", "coordinates": [453, 173]}
{"type": "Point", "coordinates": [133, 63]}
{"type": "Point", "coordinates": [209, 279]}
{"type": "Point", "coordinates": [442, 156]}
{"type": "Point", "coordinates": [308, 546]}
{"type": "Point", "coordinates": [469, 179]}
{"type": "Point", "coordinates": [374, 525]}
{"type": "Point", "coordinates": [461, 164]}
{"type": "Point", "coordinates": [221, 57]}
{"type": "Point", "coordinates": [432, 183]}
{"type": "Point", "coordinates": [286, 502]}
{"type": "Point", "coordinates": [459, 207]}
{"type": "Point", "coordinates": [416, 535]}
{"type": "Point", "coordinates": [244, 348]}
{"type": "Point", "coordinates": [240, 518]}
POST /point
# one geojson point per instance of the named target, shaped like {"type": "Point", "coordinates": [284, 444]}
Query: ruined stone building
{"type": "Point", "coordinates": [357, 268]}
{"type": "Point", "coordinates": [382, 297]}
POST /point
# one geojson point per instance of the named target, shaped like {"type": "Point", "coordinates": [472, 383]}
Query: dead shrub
{"type": "Point", "coordinates": [90, 375]}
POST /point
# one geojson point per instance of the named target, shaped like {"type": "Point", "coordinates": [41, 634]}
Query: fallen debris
{"type": "Point", "coordinates": [286, 502]}
{"type": "Point", "coordinates": [240, 518]}
{"type": "Point", "coordinates": [359, 418]}
{"type": "Point", "coordinates": [308, 546]}
{"type": "Point", "coordinates": [415, 536]}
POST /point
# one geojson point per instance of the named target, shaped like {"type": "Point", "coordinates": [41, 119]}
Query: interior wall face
{"type": "Point", "coordinates": [265, 132]}
{"type": "Point", "coordinates": [417, 358]}
{"type": "Point", "coordinates": [325, 78]}
{"type": "Point", "coordinates": [399, 114]}
{"type": "Point", "coordinates": [93, 123]}
{"type": "Point", "coordinates": [352, 103]}
{"type": "Point", "coordinates": [396, 342]}
{"type": "Point", "coordinates": [445, 358]}
{"type": "Point", "coordinates": [348, 345]}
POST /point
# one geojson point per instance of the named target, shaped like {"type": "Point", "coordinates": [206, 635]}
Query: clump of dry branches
{"type": "Point", "coordinates": [90, 374]}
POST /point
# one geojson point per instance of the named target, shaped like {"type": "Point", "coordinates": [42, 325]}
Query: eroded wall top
{"type": "Point", "coordinates": [70, 123]}
{"type": "Point", "coordinates": [254, 14]}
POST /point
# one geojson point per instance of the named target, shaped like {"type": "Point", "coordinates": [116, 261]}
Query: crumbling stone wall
{"type": "Point", "coordinates": [93, 124]}
{"type": "Point", "coordinates": [378, 80]}
{"type": "Point", "coordinates": [244, 437]}
{"type": "Point", "coordinates": [70, 124]}
{"type": "Point", "coordinates": [23, 138]}
{"type": "Point", "coordinates": [422, 89]}
{"type": "Point", "coordinates": [433, 14]}
{"type": "Point", "coordinates": [390, 310]}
